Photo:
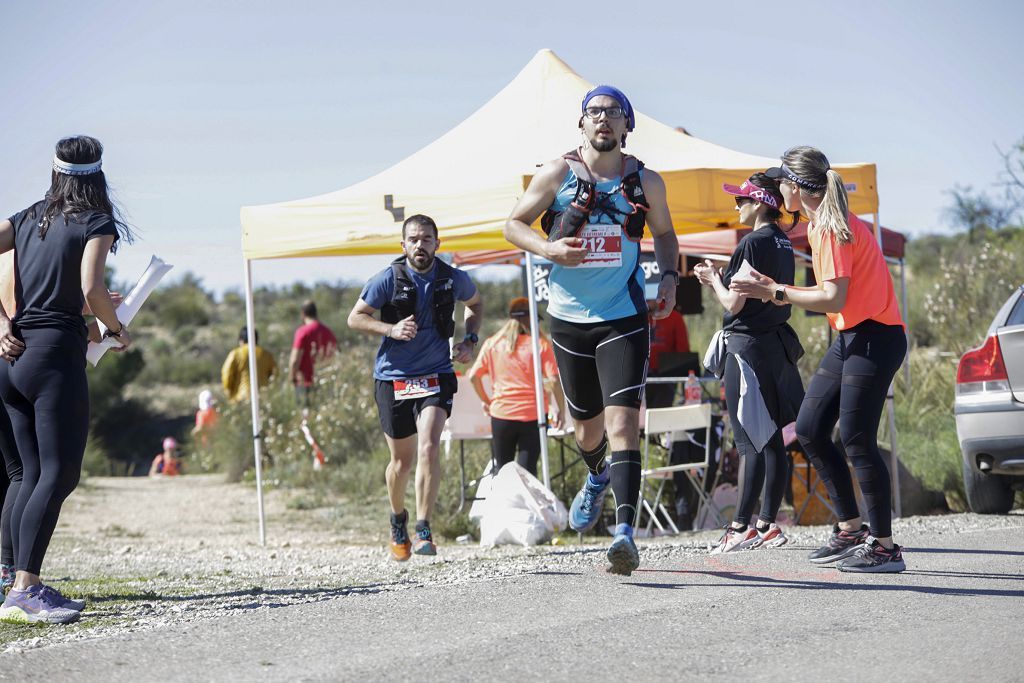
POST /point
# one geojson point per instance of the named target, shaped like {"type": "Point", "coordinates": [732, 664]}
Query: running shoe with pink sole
{"type": "Point", "coordinates": [736, 539]}
{"type": "Point", "coordinates": [773, 538]}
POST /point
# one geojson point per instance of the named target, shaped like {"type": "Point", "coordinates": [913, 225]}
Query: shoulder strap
{"type": "Point", "coordinates": [631, 165]}
{"type": "Point", "coordinates": [578, 166]}
{"type": "Point", "coordinates": [398, 269]}
{"type": "Point", "coordinates": [444, 270]}
{"type": "Point", "coordinates": [632, 186]}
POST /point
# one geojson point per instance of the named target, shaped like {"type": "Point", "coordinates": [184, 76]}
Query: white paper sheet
{"type": "Point", "coordinates": [743, 272]}
{"type": "Point", "coordinates": [130, 306]}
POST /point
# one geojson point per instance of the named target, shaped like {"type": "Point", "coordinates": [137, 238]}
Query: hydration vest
{"type": "Point", "coordinates": [568, 223]}
{"type": "Point", "coordinates": [403, 299]}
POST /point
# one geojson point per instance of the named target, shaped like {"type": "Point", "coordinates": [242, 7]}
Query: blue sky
{"type": "Point", "coordinates": [205, 107]}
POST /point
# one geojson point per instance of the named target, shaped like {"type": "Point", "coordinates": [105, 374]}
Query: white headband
{"type": "Point", "coordinates": [76, 169]}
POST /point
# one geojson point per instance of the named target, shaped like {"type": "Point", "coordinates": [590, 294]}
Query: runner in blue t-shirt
{"type": "Point", "coordinates": [413, 373]}
{"type": "Point", "coordinates": [593, 200]}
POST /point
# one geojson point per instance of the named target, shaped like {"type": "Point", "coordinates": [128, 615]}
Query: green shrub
{"type": "Point", "coordinates": [926, 429]}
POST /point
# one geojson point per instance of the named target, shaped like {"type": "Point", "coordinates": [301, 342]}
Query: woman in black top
{"type": "Point", "coordinates": [61, 245]}
{"type": "Point", "coordinates": [761, 350]}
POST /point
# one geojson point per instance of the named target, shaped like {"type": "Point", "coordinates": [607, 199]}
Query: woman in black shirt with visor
{"type": "Point", "coordinates": [760, 354]}
{"type": "Point", "coordinates": [60, 246]}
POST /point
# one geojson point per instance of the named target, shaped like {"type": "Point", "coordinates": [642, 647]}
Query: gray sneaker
{"type": "Point", "coordinates": [873, 558]}
{"type": "Point", "coordinates": [34, 606]}
{"type": "Point", "coordinates": [58, 598]}
{"type": "Point", "coordinates": [623, 555]}
{"type": "Point", "coordinates": [841, 544]}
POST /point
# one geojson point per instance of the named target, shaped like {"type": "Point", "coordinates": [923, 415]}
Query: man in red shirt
{"type": "Point", "coordinates": [314, 341]}
{"type": "Point", "coordinates": [668, 334]}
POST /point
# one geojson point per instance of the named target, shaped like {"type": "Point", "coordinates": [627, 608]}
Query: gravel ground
{"type": "Point", "coordinates": [152, 554]}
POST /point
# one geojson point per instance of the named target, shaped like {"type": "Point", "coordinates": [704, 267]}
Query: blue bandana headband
{"type": "Point", "coordinates": [615, 94]}
{"type": "Point", "coordinates": [66, 168]}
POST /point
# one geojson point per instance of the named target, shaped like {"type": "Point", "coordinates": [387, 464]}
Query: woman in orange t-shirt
{"type": "Point", "coordinates": [507, 357]}
{"type": "Point", "coordinates": [855, 291]}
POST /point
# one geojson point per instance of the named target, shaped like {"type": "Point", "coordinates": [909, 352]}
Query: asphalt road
{"type": "Point", "coordinates": [763, 615]}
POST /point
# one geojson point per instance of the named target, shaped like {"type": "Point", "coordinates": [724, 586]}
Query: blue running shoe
{"type": "Point", "coordinates": [586, 506]}
{"type": "Point", "coordinates": [623, 555]}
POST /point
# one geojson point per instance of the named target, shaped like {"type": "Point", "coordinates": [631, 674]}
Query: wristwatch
{"type": "Point", "coordinates": [471, 337]}
{"type": "Point", "coordinates": [674, 273]}
{"type": "Point", "coordinates": [780, 293]}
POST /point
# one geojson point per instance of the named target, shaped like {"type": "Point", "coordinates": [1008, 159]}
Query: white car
{"type": "Point", "coordinates": [989, 411]}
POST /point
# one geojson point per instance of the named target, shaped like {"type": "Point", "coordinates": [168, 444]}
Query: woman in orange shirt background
{"type": "Point", "coordinates": [856, 292]}
{"type": "Point", "coordinates": [507, 357]}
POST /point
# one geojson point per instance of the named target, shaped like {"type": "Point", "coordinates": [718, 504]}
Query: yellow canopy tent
{"type": "Point", "coordinates": [469, 179]}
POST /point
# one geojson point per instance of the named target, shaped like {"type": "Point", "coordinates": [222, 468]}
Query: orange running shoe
{"type": "Point", "coordinates": [400, 546]}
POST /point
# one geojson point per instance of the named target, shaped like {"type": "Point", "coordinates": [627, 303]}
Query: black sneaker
{"type": "Point", "coordinates": [840, 544]}
{"type": "Point", "coordinates": [874, 557]}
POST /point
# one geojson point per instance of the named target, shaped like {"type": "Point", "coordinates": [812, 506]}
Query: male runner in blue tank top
{"type": "Point", "coordinates": [597, 305]}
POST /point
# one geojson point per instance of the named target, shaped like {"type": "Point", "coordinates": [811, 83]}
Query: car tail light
{"type": "Point", "coordinates": [982, 369]}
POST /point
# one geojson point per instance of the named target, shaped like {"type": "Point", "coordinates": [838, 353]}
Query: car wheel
{"type": "Point", "coordinates": [987, 494]}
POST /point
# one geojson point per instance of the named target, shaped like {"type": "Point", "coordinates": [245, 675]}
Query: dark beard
{"type": "Point", "coordinates": [605, 145]}
{"type": "Point", "coordinates": [418, 267]}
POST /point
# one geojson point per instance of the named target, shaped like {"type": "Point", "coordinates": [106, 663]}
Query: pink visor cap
{"type": "Point", "coordinates": [749, 189]}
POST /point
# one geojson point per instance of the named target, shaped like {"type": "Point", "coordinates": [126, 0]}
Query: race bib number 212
{"type": "Point", "coordinates": [604, 246]}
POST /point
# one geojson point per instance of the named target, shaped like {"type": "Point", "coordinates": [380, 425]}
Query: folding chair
{"type": "Point", "coordinates": [666, 421]}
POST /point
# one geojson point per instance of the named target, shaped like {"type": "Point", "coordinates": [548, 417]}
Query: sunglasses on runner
{"type": "Point", "coordinates": [740, 201]}
{"type": "Point", "coordinates": [594, 113]}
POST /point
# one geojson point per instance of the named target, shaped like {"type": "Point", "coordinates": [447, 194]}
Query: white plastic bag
{"type": "Point", "coordinates": [483, 492]}
{"type": "Point", "coordinates": [520, 510]}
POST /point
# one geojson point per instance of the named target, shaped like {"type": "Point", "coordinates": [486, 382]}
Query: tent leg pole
{"type": "Point", "coordinates": [254, 398]}
{"type": "Point", "coordinates": [538, 378]}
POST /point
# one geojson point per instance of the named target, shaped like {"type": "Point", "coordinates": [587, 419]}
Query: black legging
{"type": "Point", "coordinates": [47, 398]}
{"type": "Point", "coordinates": [10, 485]}
{"type": "Point", "coordinates": [768, 468]}
{"type": "Point", "coordinates": [511, 436]}
{"type": "Point", "coordinates": [850, 387]}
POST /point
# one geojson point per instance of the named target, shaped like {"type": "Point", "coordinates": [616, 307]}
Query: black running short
{"type": "Point", "coordinates": [602, 364]}
{"type": "Point", "coordinates": [398, 418]}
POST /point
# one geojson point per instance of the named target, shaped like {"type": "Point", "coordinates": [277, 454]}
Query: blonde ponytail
{"type": "Point", "coordinates": [510, 331]}
{"type": "Point", "coordinates": [832, 214]}
{"type": "Point", "coordinates": [809, 169]}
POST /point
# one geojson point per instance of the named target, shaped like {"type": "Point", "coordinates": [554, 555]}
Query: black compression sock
{"type": "Point", "coordinates": [400, 519]}
{"type": "Point", "coordinates": [422, 524]}
{"type": "Point", "coordinates": [595, 458]}
{"type": "Point", "coordinates": [625, 485]}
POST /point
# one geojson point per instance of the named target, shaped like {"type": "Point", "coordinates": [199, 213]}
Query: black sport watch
{"type": "Point", "coordinates": [674, 273]}
{"type": "Point", "coordinates": [780, 294]}
{"type": "Point", "coordinates": [471, 337]}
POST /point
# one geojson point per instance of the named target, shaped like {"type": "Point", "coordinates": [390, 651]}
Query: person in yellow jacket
{"type": "Point", "coordinates": [234, 375]}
